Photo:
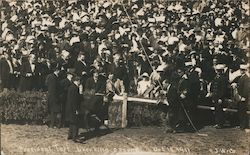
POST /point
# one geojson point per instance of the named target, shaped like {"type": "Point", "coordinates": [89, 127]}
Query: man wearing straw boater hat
{"type": "Point", "coordinates": [244, 94]}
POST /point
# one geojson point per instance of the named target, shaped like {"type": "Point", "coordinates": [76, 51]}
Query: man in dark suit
{"type": "Point", "coordinates": [6, 71]}
{"type": "Point", "coordinates": [244, 94]}
{"type": "Point", "coordinates": [218, 93]}
{"type": "Point", "coordinates": [28, 74]}
{"type": "Point", "coordinates": [73, 108]}
{"type": "Point", "coordinates": [82, 68]}
{"type": "Point", "coordinates": [54, 106]}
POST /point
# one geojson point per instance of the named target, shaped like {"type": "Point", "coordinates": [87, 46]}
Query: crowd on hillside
{"type": "Point", "coordinates": [140, 48]}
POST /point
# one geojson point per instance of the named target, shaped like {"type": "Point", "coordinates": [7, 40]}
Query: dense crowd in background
{"type": "Point", "coordinates": [171, 33]}
{"type": "Point", "coordinates": [138, 47]}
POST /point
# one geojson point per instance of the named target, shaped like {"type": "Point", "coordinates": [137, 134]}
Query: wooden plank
{"type": "Point", "coordinates": [124, 110]}
{"type": "Point", "coordinates": [213, 108]}
{"type": "Point", "coordinates": [135, 99]}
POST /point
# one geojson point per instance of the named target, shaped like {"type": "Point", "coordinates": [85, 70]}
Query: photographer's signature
{"type": "Point", "coordinates": [222, 151]}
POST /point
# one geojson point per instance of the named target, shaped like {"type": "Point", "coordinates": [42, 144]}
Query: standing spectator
{"type": "Point", "coordinates": [64, 85]}
{"type": "Point", "coordinates": [16, 76]}
{"type": "Point", "coordinates": [27, 81]}
{"type": "Point", "coordinates": [183, 92]}
{"type": "Point", "coordinates": [73, 108]}
{"type": "Point", "coordinates": [54, 106]}
{"type": "Point", "coordinates": [175, 108]}
{"type": "Point", "coordinates": [42, 71]}
{"type": "Point", "coordinates": [244, 90]}
{"type": "Point", "coordinates": [82, 68]}
{"type": "Point", "coordinates": [193, 91]}
{"type": "Point", "coordinates": [63, 63]}
{"type": "Point", "coordinates": [6, 70]}
{"type": "Point", "coordinates": [110, 92]}
{"type": "Point", "coordinates": [218, 91]}
{"type": "Point", "coordinates": [119, 73]}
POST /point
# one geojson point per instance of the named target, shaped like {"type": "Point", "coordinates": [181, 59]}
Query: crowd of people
{"type": "Point", "coordinates": [183, 50]}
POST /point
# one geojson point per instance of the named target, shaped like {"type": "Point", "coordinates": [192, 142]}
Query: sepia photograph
{"type": "Point", "coordinates": [125, 77]}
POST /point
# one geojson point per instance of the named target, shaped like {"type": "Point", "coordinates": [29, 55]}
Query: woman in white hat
{"type": "Point", "coordinates": [143, 85]}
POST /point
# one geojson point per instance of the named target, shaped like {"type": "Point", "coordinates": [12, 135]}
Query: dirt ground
{"type": "Point", "coordinates": [41, 140]}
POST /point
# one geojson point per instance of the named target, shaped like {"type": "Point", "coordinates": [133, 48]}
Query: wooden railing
{"type": "Point", "coordinates": [125, 99]}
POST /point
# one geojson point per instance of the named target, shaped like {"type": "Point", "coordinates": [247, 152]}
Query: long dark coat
{"type": "Point", "coordinates": [175, 108]}
{"type": "Point", "coordinates": [64, 86]}
{"type": "Point", "coordinates": [53, 93]}
{"type": "Point", "coordinates": [73, 103]}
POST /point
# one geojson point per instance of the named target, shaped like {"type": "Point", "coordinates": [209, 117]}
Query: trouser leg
{"type": "Point", "coordinates": [74, 128]}
{"type": "Point", "coordinates": [58, 119]}
{"type": "Point", "coordinates": [52, 119]}
{"type": "Point", "coordinates": [63, 123]}
{"type": "Point", "coordinates": [70, 133]}
{"type": "Point", "coordinates": [105, 110]}
{"type": "Point", "coordinates": [243, 116]}
{"type": "Point", "coordinates": [75, 131]}
{"type": "Point", "coordinates": [219, 115]}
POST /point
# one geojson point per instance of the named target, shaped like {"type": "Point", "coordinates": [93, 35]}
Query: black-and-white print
{"type": "Point", "coordinates": [125, 77]}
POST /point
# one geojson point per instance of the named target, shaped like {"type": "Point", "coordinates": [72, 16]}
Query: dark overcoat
{"type": "Point", "coordinates": [53, 93]}
{"type": "Point", "coordinates": [73, 103]}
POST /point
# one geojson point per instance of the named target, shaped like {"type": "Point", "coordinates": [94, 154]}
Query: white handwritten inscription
{"type": "Point", "coordinates": [222, 151]}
